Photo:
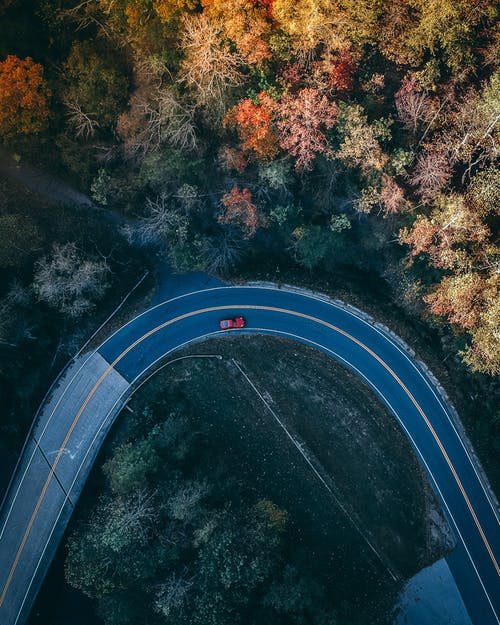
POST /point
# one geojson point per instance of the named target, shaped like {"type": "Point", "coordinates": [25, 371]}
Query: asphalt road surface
{"type": "Point", "coordinates": [80, 411]}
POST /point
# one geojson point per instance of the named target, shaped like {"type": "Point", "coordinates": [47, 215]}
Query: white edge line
{"type": "Point", "coordinates": [395, 341]}
{"type": "Point", "coordinates": [37, 441]}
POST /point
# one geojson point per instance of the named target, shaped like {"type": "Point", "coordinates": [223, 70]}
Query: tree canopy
{"type": "Point", "coordinates": [24, 96]}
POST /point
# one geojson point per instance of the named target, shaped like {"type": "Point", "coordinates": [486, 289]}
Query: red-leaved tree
{"type": "Point", "coordinates": [341, 72]}
{"type": "Point", "coordinates": [239, 210]}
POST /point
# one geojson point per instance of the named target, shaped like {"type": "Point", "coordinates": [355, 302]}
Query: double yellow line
{"type": "Point", "coordinates": [240, 307]}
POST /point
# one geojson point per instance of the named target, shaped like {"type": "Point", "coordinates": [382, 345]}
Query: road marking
{"type": "Point", "coordinates": [241, 307]}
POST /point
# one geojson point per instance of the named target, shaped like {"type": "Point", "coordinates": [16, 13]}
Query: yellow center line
{"type": "Point", "coordinates": [241, 307]}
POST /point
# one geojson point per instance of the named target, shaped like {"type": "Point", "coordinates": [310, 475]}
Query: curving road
{"type": "Point", "coordinates": [75, 418]}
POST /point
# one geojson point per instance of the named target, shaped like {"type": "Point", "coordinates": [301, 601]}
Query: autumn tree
{"type": "Point", "coordinates": [461, 298]}
{"type": "Point", "coordinates": [23, 97]}
{"type": "Point", "coordinates": [157, 116]}
{"type": "Point", "coordinates": [95, 85]}
{"type": "Point", "coordinates": [483, 353]}
{"type": "Point", "coordinates": [431, 173]}
{"type": "Point", "coordinates": [255, 127]}
{"type": "Point", "coordinates": [303, 120]}
{"type": "Point", "coordinates": [340, 71]}
{"type": "Point", "coordinates": [331, 24]}
{"type": "Point", "coordinates": [397, 19]}
{"type": "Point", "coordinates": [473, 131]}
{"type": "Point", "coordinates": [392, 196]}
{"type": "Point", "coordinates": [483, 192]}
{"type": "Point", "coordinates": [414, 106]}
{"type": "Point", "coordinates": [359, 141]}
{"type": "Point", "coordinates": [169, 10]}
{"type": "Point", "coordinates": [411, 29]}
{"type": "Point", "coordinates": [210, 68]}
{"type": "Point", "coordinates": [455, 238]}
{"type": "Point", "coordinates": [133, 23]}
{"type": "Point", "coordinates": [470, 301]}
{"type": "Point", "coordinates": [246, 23]}
{"type": "Point", "coordinates": [307, 22]}
{"type": "Point", "coordinates": [232, 159]}
{"type": "Point", "coordinates": [239, 210]}
{"type": "Point", "coordinates": [452, 235]}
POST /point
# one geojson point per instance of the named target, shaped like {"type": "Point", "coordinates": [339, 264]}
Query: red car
{"type": "Point", "coordinates": [231, 324]}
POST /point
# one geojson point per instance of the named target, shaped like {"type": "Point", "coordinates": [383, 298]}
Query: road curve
{"type": "Point", "coordinates": [76, 417]}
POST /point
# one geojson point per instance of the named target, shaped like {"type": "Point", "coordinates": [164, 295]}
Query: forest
{"type": "Point", "coordinates": [176, 537]}
{"type": "Point", "coordinates": [318, 133]}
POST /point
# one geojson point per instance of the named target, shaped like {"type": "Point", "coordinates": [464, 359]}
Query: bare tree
{"type": "Point", "coordinates": [184, 504]}
{"type": "Point", "coordinates": [220, 254]}
{"type": "Point", "coordinates": [414, 107]}
{"type": "Point", "coordinates": [172, 594]}
{"type": "Point", "coordinates": [165, 222]}
{"type": "Point", "coordinates": [171, 121]}
{"type": "Point", "coordinates": [474, 136]}
{"type": "Point", "coordinates": [80, 122]}
{"type": "Point", "coordinates": [431, 174]}
{"type": "Point", "coordinates": [128, 519]}
{"type": "Point", "coordinates": [156, 117]}
{"type": "Point", "coordinates": [68, 281]}
{"type": "Point", "coordinates": [209, 68]}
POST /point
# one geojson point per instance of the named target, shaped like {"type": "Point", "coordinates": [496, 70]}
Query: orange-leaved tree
{"type": "Point", "coordinates": [241, 211]}
{"type": "Point", "coordinates": [246, 23]}
{"type": "Point", "coordinates": [462, 297]}
{"type": "Point", "coordinates": [254, 124]}
{"type": "Point", "coordinates": [169, 10]}
{"type": "Point", "coordinates": [23, 97]}
{"type": "Point", "coordinates": [453, 236]}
